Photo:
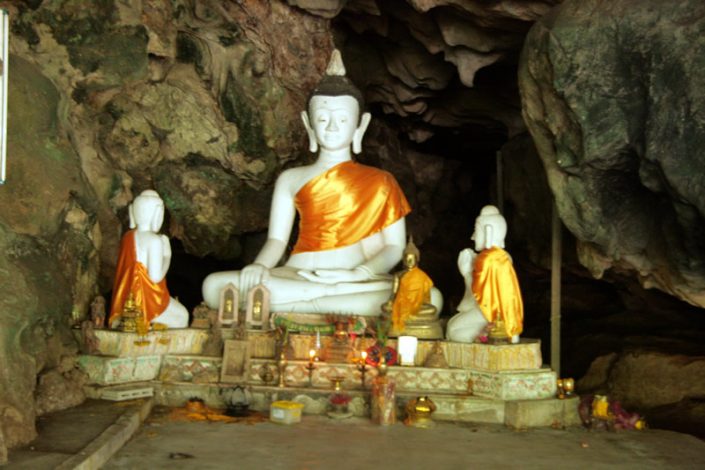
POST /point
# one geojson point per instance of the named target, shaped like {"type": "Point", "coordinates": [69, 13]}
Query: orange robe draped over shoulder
{"type": "Point", "coordinates": [346, 204]}
{"type": "Point", "coordinates": [414, 290]}
{"type": "Point", "coordinates": [496, 289]}
{"type": "Point", "coordinates": [132, 276]}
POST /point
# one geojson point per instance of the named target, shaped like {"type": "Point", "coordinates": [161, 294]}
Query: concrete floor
{"type": "Point", "coordinates": [321, 443]}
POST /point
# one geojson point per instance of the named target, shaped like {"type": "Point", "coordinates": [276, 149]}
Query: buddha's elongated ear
{"type": "Point", "coordinates": [312, 140]}
{"type": "Point", "coordinates": [360, 132]}
{"type": "Point", "coordinates": [489, 233]}
{"type": "Point", "coordinates": [131, 213]}
{"type": "Point", "coordinates": [157, 217]}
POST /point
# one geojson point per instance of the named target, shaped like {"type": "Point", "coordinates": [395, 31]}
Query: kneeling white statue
{"type": "Point", "coordinates": [143, 262]}
{"type": "Point", "coordinates": [352, 228]}
{"type": "Point", "coordinates": [492, 292]}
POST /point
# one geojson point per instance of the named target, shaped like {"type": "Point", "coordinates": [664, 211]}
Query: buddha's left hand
{"type": "Point", "coordinates": [334, 276]}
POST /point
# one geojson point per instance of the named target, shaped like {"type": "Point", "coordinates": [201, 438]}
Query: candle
{"type": "Point", "coordinates": [311, 355]}
{"type": "Point", "coordinates": [364, 356]}
{"type": "Point", "coordinates": [407, 349]}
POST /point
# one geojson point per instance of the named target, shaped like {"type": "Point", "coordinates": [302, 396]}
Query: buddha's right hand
{"type": "Point", "coordinates": [251, 275]}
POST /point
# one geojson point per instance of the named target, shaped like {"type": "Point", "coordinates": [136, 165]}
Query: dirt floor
{"type": "Point", "coordinates": [166, 441]}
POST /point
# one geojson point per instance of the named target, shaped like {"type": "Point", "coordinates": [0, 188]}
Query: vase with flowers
{"type": "Point", "coordinates": [339, 405]}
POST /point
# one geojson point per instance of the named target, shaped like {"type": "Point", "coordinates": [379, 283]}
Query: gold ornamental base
{"type": "Point", "coordinates": [422, 330]}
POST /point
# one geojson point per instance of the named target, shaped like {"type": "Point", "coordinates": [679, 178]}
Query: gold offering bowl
{"type": "Point", "coordinates": [337, 382]}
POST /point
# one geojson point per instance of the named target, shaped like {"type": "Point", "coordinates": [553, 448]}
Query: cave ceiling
{"type": "Point", "coordinates": [444, 72]}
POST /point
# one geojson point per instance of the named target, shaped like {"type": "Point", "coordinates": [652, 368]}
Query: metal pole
{"type": "Point", "coordinates": [4, 37]}
{"type": "Point", "coordinates": [500, 182]}
{"type": "Point", "coordinates": [556, 253]}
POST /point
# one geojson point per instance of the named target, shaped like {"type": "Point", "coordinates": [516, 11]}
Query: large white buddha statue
{"type": "Point", "coordinates": [144, 259]}
{"type": "Point", "coordinates": [492, 285]}
{"type": "Point", "coordinates": [352, 229]}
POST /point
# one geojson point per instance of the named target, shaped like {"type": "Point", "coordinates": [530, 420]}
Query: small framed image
{"type": "Point", "coordinates": [236, 361]}
{"type": "Point", "coordinates": [228, 309]}
{"type": "Point", "coordinates": [258, 308]}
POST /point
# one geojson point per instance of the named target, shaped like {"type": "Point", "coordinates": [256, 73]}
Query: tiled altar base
{"type": "Point", "coordinates": [494, 357]}
{"type": "Point", "coordinates": [517, 414]}
{"type": "Point", "coordinates": [189, 341]}
{"type": "Point", "coordinates": [177, 341]}
{"type": "Point", "coordinates": [503, 385]}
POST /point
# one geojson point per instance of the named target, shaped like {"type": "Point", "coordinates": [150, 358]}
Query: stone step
{"type": "Point", "coordinates": [518, 414]}
{"type": "Point", "coordinates": [105, 370]}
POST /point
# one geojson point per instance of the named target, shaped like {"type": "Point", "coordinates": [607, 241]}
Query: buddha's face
{"type": "Point", "coordinates": [410, 260]}
{"type": "Point", "coordinates": [478, 236]}
{"type": "Point", "coordinates": [334, 119]}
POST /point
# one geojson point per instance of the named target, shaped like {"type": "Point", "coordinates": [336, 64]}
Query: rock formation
{"type": "Point", "coordinates": [613, 97]}
{"type": "Point", "coordinates": [195, 99]}
{"type": "Point", "coordinates": [200, 100]}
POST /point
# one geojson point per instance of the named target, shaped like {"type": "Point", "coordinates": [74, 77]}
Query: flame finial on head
{"type": "Point", "coordinates": [335, 83]}
{"type": "Point", "coordinates": [412, 249]}
{"type": "Point", "coordinates": [335, 65]}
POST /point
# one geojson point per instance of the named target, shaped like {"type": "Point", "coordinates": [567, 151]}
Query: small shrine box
{"type": "Point", "coordinates": [285, 412]}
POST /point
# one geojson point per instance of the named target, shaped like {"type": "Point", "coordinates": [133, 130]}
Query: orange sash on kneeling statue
{"type": "Point", "coordinates": [496, 289]}
{"type": "Point", "coordinates": [132, 276]}
{"type": "Point", "coordinates": [346, 204]}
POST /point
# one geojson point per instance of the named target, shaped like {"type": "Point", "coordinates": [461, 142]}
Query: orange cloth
{"type": "Point", "coordinates": [345, 204]}
{"type": "Point", "coordinates": [414, 290]}
{"type": "Point", "coordinates": [496, 289]}
{"type": "Point", "coordinates": [132, 276]}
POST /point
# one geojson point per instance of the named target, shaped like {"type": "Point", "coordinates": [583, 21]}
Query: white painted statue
{"type": "Point", "coordinates": [468, 323]}
{"type": "Point", "coordinates": [492, 290]}
{"type": "Point", "coordinates": [144, 260]}
{"type": "Point", "coordinates": [352, 229]}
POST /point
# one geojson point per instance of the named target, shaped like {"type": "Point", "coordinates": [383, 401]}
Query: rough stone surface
{"type": "Point", "coordinates": [644, 379]}
{"type": "Point", "coordinates": [620, 130]}
{"type": "Point", "coordinates": [422, 61]}
{"type": "Point", "coordinates": [196, 99]}
{"type": "Point", "coordinates": [48, 238]}
{"type": "Point", "coordinates": [58, 390]}
{"type": "Point", "coordinates": [666, 388]}
{"type": "Point", "coordinates": [528, 203]}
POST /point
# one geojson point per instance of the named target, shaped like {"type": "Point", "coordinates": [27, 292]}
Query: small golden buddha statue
{"type": "Point", "coordinates": [410, 305]}
{"type": "Point", "coordinates": [130, 314]}
{"type": "Point", "coordinates": [257, 310]}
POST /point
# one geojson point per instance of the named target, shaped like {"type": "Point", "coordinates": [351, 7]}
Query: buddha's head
{"type": "Point", "coordinates": [490, 229]}
{"type": "Point", "coordinates": [334, 120]}
{"type": "Point", "coordinates": [147, 211]}
{"type": "Point", "coordinates": [411, 255]}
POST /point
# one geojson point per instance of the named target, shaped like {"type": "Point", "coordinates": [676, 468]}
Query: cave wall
{"type": "Point", "coordinates": [196, 99]}
{"type": "Point", "coordinates": [201, 99]}
{"type": "Point", "coordinates": [613, 97]}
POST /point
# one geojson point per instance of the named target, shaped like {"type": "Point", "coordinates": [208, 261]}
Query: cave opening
{"type": "Point", "coordinates": [201, 100]}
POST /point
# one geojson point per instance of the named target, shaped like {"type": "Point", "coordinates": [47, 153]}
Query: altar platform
{"type": "Point", "coordinates": [484, 383]}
